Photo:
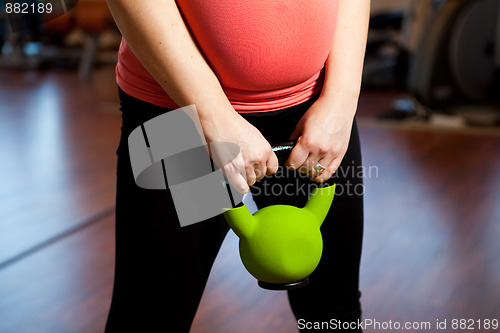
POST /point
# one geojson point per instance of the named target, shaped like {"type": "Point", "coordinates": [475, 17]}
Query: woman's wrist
{"type": "Point", "coordinates": [218, 124]}
{"type": "Point", "coordinates": [338, 106]}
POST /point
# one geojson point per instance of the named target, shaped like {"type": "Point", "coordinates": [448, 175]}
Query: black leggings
{"type": "Point", "coordinates": [162, 268]}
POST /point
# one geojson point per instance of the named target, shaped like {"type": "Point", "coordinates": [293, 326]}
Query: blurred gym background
{"type": "Point", "coordinates": [429, 123]}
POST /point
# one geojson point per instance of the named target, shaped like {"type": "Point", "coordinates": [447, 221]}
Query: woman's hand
{"type": "Point", "coordinates": [324, 130]}
{"type": "Point", "coordinates": [255, 159]}
{"type": "Point", "coordinates": [322, 136]}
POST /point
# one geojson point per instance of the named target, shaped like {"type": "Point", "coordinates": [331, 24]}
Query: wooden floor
{"type": "Point", "coordinates": [432, 198]}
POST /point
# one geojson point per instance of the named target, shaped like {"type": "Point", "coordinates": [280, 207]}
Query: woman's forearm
{"type": "Point", "coordinates": [344, 65]}
{"type": "Point", "coordinates": [160, 39]}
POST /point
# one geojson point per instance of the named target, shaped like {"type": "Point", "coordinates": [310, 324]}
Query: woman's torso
{"type": "Point", "coordinates": [267, 54]}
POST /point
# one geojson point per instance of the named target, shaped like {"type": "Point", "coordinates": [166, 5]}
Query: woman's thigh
{"type": "Point", "coordinates": [161, 267]}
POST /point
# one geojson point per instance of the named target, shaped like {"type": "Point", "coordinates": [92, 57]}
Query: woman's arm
{"type": "Point", "coordinates": [323, 132]}
{"type": "Point", "coordinates": [159, 37]}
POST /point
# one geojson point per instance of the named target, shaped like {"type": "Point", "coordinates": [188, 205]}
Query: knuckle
{"type": "Point", "coordinates": [229, 169]}
{"type": "Point", "coordinates": [307, 142]}
{"type": "Point", "coordinates": [322, 150]}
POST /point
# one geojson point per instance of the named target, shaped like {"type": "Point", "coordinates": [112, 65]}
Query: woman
{"type": "Point", "coordinates": [258, 72]}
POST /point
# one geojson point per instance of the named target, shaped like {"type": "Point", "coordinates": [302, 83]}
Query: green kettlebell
{"type": "Point", "coordinates": [281, 245]}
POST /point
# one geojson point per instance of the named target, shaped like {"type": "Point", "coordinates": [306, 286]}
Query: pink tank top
{"type": "Point", "coordinates": [267, 54]}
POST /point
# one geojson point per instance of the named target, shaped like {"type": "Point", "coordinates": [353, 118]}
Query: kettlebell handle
{"type": "Point", "coordinates": [282, 150]}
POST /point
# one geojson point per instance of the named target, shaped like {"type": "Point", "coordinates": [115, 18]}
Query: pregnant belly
{"type": "Point", "coordinates": [262, 45]}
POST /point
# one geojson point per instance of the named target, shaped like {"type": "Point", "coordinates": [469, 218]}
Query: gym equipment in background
{"type": "Point", "coordinates": [62, 33]}
{"type": "Point", "coordinates": [459, 54]}
{"type": "Point", "coordinates": [456, 66]}
{"type": "Point", "coordinates": [281, 245]}
{"type": "Point", "coordinates": [446, 53]}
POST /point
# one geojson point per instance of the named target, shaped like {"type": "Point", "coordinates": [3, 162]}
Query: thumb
{"type": "Point", "coordinates": [234, 173]}
{"type": "Point", "coordinates": [239, 182]}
